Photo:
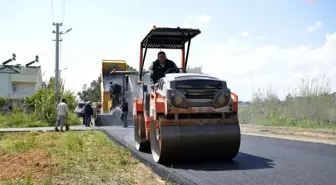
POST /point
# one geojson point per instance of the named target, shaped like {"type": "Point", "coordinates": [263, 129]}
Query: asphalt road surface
{"type": "Point", "coordinates": [261, 161]}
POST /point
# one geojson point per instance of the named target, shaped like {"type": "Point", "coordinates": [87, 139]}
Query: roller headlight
{"type": "Point", "coordinates": [177, 99]}
{"type": "Point", "coordinates": [221, 98]}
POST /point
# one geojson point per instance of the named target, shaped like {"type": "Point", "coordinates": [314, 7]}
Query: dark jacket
{"type": "Point", "coordinates": [157, 71]}
{"type": "Point", "coordinates": [88, 110]}
{"type": "Point", "coordinates": [115, 88]}
{"type": "Point", "coordinates": [124, 107]}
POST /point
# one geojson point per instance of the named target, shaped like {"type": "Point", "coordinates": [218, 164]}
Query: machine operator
{"type": "Point", "coordinates": [159, 67]}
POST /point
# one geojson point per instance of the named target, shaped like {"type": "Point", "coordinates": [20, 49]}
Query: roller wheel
{"type": "Point", "coordinates": [234, 149]}
{"type": "Point", "coordinates": [141, 144]}
{"type": "Point", "coordinates": [159, 154]}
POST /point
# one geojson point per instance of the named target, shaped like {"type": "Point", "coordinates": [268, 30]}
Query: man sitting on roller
{"type": "Point", "coordinates": [159, 67]}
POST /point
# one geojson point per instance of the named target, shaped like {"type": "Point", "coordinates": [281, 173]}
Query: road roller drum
{"type": "Point", "coordinates": [141, 143]}
{"type": "Point", "coordinates": [194, 142]}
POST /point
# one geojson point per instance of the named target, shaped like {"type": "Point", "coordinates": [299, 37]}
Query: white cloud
{"type": "Point", "coordinates": [262, 37]}
{"type": "Point", "coordinates": [204, 19]}
{"type": "Point", "coordinates": [196, 21]}
{"type": "Point", "coordinates": [245, 34]}
{"type": "Point", "coordinates": [190, 21]}
{"type": "Point", "coordinates": [257, 66]}
{"type": "Point", "coordinates": [315, 26]}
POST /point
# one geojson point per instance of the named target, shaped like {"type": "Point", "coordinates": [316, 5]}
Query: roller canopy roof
{"type": "Point", "coordinates": [169, 38]}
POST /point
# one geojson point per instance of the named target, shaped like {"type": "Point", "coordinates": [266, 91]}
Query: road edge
{"type": "Point", "coordinates": [164, 172]}
{"type": "Point", "coordinates": [296, 134]}
{"type": "Point", "coordinates": [8, 131]}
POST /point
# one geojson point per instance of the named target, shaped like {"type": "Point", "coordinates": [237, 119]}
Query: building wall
{"type": "Point", "coordinates": [23, 78]}
{"type": "Point", "coordinates": [39, 79]}
{"type": "Point", "coordinates": [21, 90]}
{"type": "Point", "coordinates": [4, 85]}
{"type": "Point", "coordinates": [20, 85]}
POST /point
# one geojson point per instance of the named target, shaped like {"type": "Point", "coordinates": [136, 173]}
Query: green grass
{"type": "Point", "coordinates": [19, 119]}
{"type": "Point", "coordinates": [309, 106]}
{"type": "Point", "coordinates": [73, 157]}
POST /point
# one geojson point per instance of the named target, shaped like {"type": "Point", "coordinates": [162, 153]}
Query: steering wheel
{"type": "Point", "coordinates": [172, 70]}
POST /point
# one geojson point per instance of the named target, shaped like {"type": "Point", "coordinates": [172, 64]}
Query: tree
{"type": "Point", "coordinates": [190, 69]}
{"type": "Point", "coordinates": [195, 69]}
{"type": "Point", "coordinates": [91, 93]}
{"type": "Point", "coordinates": [130, 68]}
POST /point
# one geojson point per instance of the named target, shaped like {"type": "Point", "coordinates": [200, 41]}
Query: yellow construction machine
{"type": "Point", "coordinates": [113, 71]}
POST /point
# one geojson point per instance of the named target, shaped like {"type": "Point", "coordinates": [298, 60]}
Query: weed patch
{"type": "Point", "coordinates": [19, 119]}
{"type": "Point", "coordinates": [311, 105]}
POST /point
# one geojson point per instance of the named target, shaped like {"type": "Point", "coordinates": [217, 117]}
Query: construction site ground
{"type": "Point", "coordinates": [261, 160]}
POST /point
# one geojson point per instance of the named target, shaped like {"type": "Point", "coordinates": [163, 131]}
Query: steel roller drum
{"type": "Point", "coordinates": [195, 142]}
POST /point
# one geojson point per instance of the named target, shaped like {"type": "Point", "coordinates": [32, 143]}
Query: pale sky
{"type": "Point", "coordinates": [250, 44]}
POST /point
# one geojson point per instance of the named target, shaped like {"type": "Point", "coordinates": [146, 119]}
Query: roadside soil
{"type": "Point", "coordinates": [87, 157]}
{"type": "Point", "coordinates": [300, 134]}
{"type": "Point", "coordinates": [38, 166]}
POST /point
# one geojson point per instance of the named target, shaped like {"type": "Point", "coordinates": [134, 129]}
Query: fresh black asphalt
{"type": "Point", "coordinates": [261, 161]}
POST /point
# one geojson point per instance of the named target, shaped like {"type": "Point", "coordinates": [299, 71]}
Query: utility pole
{"type": "Point", "coordinates": [57, 32]}
{"type": "Point", "coordinates": [57, 40]}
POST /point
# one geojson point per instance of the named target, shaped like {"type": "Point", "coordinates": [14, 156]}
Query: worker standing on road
{"type": "Point", "coordinates": [124, 109]}
{"type": "Point", "coordinates": [88, 112]}
{"type": "Point", "coordinates": [62, 112]}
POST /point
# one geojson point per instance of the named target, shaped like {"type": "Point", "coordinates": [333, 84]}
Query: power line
{"type": "Point", "coordinates": [63, 19]}
{"type": "Point", "coordinates": [63, 11]}
{"type": "Point", "coordinates": [52, 10]}
{"type": "Point", "coordinates": [58, 52]}
{"type": "Point", "coordinates": [60, 55]}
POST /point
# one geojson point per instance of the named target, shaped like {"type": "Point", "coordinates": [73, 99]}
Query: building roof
{"type": "Point", "coordinates": [22, 70]}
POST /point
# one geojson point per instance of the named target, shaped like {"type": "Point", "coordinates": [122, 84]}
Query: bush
{"type": "Point", "coordinates": [310, 105]}
{"type": "Point", "coordinates": [42, 104]}
{"type": "Point", "coordinates": [3, 101]}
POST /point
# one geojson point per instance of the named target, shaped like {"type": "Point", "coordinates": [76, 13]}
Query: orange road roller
{"type": "Point", "coordinates": [185, 114]}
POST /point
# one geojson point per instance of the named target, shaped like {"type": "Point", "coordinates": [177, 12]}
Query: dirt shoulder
{"type": "Point", "coordinates": [87, 157]}
{"type": "Point", "coordinates": [291, 133]}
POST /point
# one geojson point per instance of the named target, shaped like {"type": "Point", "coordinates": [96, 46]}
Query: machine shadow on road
{"type": "Point", "coordinates": [243, 161]}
